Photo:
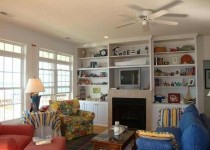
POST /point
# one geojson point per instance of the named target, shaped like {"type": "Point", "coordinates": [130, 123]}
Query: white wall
{"type": "Point", "coordinates": [206, 41]}
{"type": "Point", "coordinates": [12, 32]}
{"type": "Point", "coordinates": [206, 65]}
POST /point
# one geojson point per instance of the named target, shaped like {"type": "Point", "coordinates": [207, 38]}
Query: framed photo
{"type": "Point", "coordinates": [207, 78]}
{"type": "Point", "coordinates": [97, 90]}
{"type": "Point", "coordinates": [191, 82]}
{"type": "Point", "coordinates": [174, 60]}
{"type": "Point", "coordinates": [173, 97]}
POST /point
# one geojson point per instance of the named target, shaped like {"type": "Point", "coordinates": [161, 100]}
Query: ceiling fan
{"type": "Point", "coordinates": [148, 16]}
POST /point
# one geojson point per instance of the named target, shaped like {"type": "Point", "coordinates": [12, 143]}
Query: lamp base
{"type": "Point", "coordinates": [35, 98]}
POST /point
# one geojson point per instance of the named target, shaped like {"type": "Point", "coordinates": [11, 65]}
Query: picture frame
{"type": "Point", "coordinates": [207, 78]}
{"type": "Point", "coordinates": [173, 97]}
{"type": "Point", "coordinates": [191, 82]}
{"type": "Point", "coordinates": [174, 60]}
{"type": "Point", "coordinates": [97, 90]}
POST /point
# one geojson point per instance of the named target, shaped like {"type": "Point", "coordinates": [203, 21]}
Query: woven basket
{"type": "Point", "coordinates": [159, 49]}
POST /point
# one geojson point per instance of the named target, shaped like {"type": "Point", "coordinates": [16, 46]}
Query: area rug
{"type": "Point", "coordinates": [81, 143]}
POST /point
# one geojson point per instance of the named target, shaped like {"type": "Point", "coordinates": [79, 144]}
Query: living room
{"type": "Point", "coordinates": [33, 39]}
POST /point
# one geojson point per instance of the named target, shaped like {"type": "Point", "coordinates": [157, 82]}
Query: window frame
{"type": "Point", "coordinates": [55, 62]}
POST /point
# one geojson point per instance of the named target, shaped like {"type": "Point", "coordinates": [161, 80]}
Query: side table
{"type": "Point", "coordinates": [45, 123]}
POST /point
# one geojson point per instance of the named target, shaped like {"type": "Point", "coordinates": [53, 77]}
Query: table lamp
{"type": "Point", "coordinates": [208, 94]}
{"type": "Point", "coordinates": [33, 87]}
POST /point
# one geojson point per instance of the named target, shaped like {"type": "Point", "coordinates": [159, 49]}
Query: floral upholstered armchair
{"type": "Point", "coordinates": [74, 122]}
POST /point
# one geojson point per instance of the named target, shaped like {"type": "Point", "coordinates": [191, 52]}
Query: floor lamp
{"type": "Point", "coordinates": [33, 87]}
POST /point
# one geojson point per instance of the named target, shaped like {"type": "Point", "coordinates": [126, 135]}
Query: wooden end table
{"type": "Point", "coordinates": [105, 141]}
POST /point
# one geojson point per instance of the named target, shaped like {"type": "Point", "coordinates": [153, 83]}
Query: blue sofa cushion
{"type": "Point", "coordinates": [195, 137]}
{"type": "Point", "coordinates": [175, 131]}
{"type": "Point", "coordinates": [187, 119]}
{"type": "Point", "coordinates": [191, 108]}
{"type": "Point", "coordinates": [152, 144]}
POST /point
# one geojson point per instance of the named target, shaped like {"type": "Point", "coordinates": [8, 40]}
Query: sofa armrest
{"type": "Point", "coordinates": [19, 129]}
{"type": "Point", "coordinates": [7, 143]}
{"type": "Point", "coordinates": [149, 144]}
{"type": "Point", "coordinates": [87, 114]}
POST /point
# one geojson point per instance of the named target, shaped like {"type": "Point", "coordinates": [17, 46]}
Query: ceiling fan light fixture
{"type": "Point", "coordinates": [144, 22]}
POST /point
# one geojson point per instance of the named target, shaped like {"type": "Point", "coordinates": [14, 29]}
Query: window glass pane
{"type": "Point", "coordinates": [1, 79]}
{"type": "Point", "coordinates": [1, 63]}
{"type": "Point", "coordinates": [17, 49]}
{"type": "Point", "coordinates": [40, 54]}
{"type": "Point", "coordinates": [7, 79]}
{"type": "Point", "coordinates": [17, 111]}
{"type": "Point", "coordinates": [16, 79]}
{"type": "Point", "coordinates": [1, 46]}
{"type": "Point", "coordinates": [51, 55]}
{"type": "Point", "coordinates": [16, 65]}
{"type": "Point", "coordinates": [8, 64]}
{"type": "Point", "coordinates": [8, 47]}
{"type": "Point", "coordinates": [45, 54]}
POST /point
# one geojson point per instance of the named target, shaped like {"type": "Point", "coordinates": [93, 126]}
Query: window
{"type": "Point", "coordinates": [11, 77]}
{"type": "Point", "coordinates": [55, 74]}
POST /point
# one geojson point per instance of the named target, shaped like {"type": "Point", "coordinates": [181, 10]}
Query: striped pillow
{"type": "Point", "coordinates": [169, 117]}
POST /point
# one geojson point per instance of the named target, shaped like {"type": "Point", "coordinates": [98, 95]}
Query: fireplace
{"type": "Point", "coordinates": [130, 112]}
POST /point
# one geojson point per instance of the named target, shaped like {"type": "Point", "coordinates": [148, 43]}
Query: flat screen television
{"type": "Point", "coordinates": [129, 78]}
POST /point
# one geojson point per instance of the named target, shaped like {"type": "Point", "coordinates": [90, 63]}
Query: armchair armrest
{"type": "Point", "coordinates": [87, 114]}
{"type": "Point", "coordinates": [7, 143]}
{"type": "Point", "coordinates": [19, 129]}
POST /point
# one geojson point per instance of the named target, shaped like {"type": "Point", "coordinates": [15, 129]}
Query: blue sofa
{"type": "Point", "coordinates": [192, 133]}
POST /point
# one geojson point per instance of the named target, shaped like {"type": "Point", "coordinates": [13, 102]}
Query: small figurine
{"type": "Point", "coordinates": [115, 50]}
{"type": "Point", "coordinates": [84, 53]}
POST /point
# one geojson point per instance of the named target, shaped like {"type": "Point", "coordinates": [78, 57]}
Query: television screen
{"type": "Point", "coordinates": [129, 77]}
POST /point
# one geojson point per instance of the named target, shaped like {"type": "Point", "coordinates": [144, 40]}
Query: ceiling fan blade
{"type": "Point", "coordinates": [126, 25]}
{"type": "Point", "coordinates": [173, 23]}
{"type": "Point", "coordinates": [175, 15]}
{"type": "Point", "coordinates": [146, 28]}
{"type": "Point", "coordinates": [170, 5]}
{"type": "Point", "coordinates": [135, 7]}
{"type": "Point", "coordinates": [157, 14]}
{"type": "Point", "coordinates": [127, 17]}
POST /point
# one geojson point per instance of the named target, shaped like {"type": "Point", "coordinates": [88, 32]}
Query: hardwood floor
{"type": "Point", "coordinates": [98, 129]}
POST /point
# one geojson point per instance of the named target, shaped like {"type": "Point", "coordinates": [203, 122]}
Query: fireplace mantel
{"type": "Point", "coordinates": [147, 94]}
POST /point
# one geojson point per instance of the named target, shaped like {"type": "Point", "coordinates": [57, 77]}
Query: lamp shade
{"type": "Point", "coordinates": [208, 94]}
{"type": "Point", "coordinates": [34, 86]}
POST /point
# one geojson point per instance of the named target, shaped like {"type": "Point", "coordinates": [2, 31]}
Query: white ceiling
{"type": "Point", "coordinates": [85, 21]}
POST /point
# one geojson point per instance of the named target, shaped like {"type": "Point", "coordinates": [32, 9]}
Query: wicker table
{"type": "Point", "coordinates": [42, 121]}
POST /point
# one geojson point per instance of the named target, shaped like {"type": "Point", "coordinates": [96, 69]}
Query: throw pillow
{"type": "Point", "coordinates": [155, 135]}
{"type": "Point", "coordinates": [169, 117]}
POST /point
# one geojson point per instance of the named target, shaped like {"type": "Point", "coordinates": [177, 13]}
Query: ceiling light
{"type": "Point", "coordinates": [106, 37]}
{"type": "Point", "coordinates": [144, 22]}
